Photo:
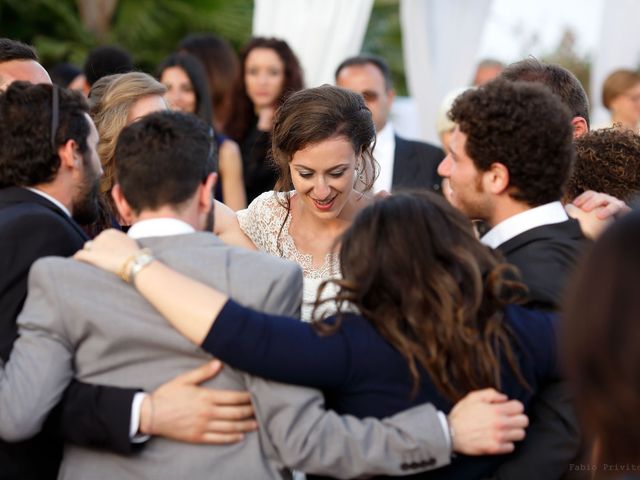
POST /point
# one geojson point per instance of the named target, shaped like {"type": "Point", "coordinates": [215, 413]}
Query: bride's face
{"type": "Point", "coordinates": [323, 175]}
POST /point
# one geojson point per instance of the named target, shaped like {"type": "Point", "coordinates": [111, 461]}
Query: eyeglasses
{"type": "Point", "coordinates": [55, 114]}
{"type": "Point", "coordinates": [212, 144]}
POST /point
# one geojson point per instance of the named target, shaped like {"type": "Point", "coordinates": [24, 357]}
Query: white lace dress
{"type": "Point", "coordinates": [262, 221]}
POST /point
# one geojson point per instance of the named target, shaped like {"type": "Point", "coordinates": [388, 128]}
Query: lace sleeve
{"type": "Point", "coordinates": [262, 219]}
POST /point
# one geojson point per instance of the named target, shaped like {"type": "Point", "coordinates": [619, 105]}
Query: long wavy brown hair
{"type": "Point", "coordinates": [413, 267]}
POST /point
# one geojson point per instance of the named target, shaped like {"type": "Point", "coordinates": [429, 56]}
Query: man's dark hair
{"type": "Point", "coordinates": [162, 158]}
{"type": "Point", "coordinates": [106, 60]}
{"type": "Point", "coordinates": [15, 50]}
{"type": "Point", "coordinates": [26, 154]}
{"type": "Point", "coordinates": [555, 77]}
{"type": "Point", "coordinates": [524, 127]}
{"type": "Point", "coordinates": [378, 62]}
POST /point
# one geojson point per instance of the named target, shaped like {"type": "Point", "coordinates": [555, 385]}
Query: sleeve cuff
{"type": "Point", "coordinates": [445, 428]}
{"type": "Point", "coordinates": [134, 428]}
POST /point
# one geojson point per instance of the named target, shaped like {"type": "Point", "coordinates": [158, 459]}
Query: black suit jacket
{"type": "Point", "coordinates": [546, 256]}
{"type": "Point", "coordinates": [415, 165]}
{"type": "Point", "coordinates": [32, 227]}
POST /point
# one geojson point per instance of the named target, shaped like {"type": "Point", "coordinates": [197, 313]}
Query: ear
{"type": "Point", "coordinates": [496, 179]}
{"type": "Point", "coordinates": [205, 193]}
{"type": "Point", "coordinates": [70, 155]}
{"type": "Point", "coordinates": [580, 126]}
{"type": "Point", "coordinates": [391, 93]}
{"type": "Point", "coordinates": [124, 209]}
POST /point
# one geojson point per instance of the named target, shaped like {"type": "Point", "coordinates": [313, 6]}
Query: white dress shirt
{"type": "Point", "coordinates": [159, 227]}
{"type": "Point", "coordinates": [384, 153]}
{"type": "Point", "coordinates": [546, 214]}
{"type": "Point", "coordinates": [55, 201]}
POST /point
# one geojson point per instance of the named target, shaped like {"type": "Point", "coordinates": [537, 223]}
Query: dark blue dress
{"type": "Point", "coordinates": [361, 374]}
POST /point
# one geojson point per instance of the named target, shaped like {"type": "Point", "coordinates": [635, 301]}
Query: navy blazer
{"type": "Point", "coordinates": [415, 165]}
{"type": "Point", "coordinates": [32, 227]}
{"type": "Point", "coordinates": [361, 374]}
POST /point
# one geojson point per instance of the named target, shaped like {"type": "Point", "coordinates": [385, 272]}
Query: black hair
{"type": "Point", "coordinates": [162, 158]}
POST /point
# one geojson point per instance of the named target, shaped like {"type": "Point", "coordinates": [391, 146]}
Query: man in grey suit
{"type": "Point", "coordinates": [403, 163]}
{"type": "Point", "coordinates": [83, 322]}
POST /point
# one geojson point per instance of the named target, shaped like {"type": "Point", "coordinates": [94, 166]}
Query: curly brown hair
{"type": "Point", "coordinates": [242, 114]}
{"type": "Point", "coordinates": [607, 161]}
{"type": "Point", "coordinates": [440, 305]}
{"type": "Point", "coordinates": [526, 128]}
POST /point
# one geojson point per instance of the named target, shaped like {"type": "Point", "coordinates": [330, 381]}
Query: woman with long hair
{"type": "Point", "coordinates": [601, 347]}
{"type": "Point", "coordinates": [433, 319]}
{"type": "Point", "coordinates": [222, 67]}
{"type": "Point", "coordinates": [269, 72]}
{"type": "Point", "coordinates": [188, 91]}
{"type": "Point", "coordinates": [115, 102]}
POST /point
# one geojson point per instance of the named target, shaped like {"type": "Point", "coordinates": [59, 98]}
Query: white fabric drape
{"type": "Point", "coordinates": [619, 47]}
{"type": "Point", "coordinates": [322, 33]}
{"type": "Point", "coordinates": [440, 42]}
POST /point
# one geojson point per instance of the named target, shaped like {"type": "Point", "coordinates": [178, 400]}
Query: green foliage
{"type": "Point", "coordinates": [384, 38]}
{"type": "Point", "coordinates": [149, 29]}
{"type": "Point", "coordinates": [565, 54]}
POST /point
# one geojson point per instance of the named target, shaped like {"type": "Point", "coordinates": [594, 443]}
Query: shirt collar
{"type": "Point", "coordinates": [546, 214]}
{"type": "Point", "coordinates": [159, 227]}
{"type": "Point", "coordinates": [55, 201]}
{"type": "Point", "coordinates": [384, 154]}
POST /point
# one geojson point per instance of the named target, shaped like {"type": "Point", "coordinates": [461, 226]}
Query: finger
{"type": "Point", "coordinates": [228, 426]}
{"type": "Point", "coordinates": [221, 438]}
{"type": "Point", "coordinates": [81, 255]}
{"type": "Point", "coordinates": [200, 374]}
{"type": "Point", "coordinates": [520, 421]}
{"type": "Point", "coordinates": [514, 435]}
{"type": "Point", "coordinates": [489, 395]}
{"type": "Point", "coordinates": [244, 412]}
{"type": "Point", "coordinates": [607, 212]}
{"type": "Point", "coordinates": [612, 210]}
{"type": "Point", "coordinates": [502, 448]}
{"type": "Point", "coordinates": [228, 397]}
{"type": "Point", "coordinates": [512, 407]}
{"type": "Point", "coordinates": [582, 198]}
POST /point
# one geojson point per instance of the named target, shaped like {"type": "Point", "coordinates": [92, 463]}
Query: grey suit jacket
{"type": "Point", "coordinates": [79, 320]}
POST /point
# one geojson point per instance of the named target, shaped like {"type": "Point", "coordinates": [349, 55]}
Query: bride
{"type": "Point", "coordinates": [322, 147]}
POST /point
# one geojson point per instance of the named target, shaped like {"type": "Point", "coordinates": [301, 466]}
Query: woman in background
{"type": "Point", "coordinates": [188, 91]}
{"type": "Point", "coordinates": [222, 67]}
{"type": "Point", "coordinates": [269, 72]}
{"type": "Point", "coordinates": [601, 347]}
{"type": "Point", "coordinates": [621, 96]}
{"type": "Point", "coordinates": [116, 101]}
